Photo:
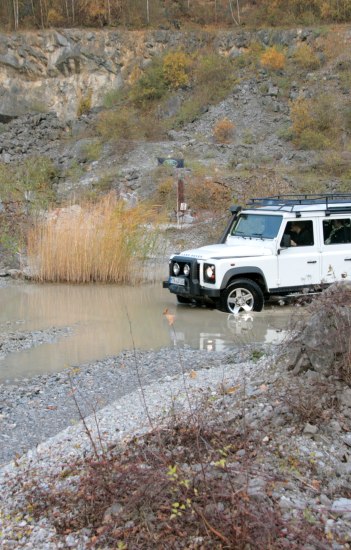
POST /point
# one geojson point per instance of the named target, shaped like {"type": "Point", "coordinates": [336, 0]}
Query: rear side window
{"type": "Point", "coordinates": [337, 231]}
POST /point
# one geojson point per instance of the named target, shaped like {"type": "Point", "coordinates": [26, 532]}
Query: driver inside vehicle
{"type": "Point", "coordinates": [300, 233]}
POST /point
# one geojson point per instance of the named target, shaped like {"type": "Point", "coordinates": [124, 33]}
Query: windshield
{"type": "Point", "coordinates": [256, 225]}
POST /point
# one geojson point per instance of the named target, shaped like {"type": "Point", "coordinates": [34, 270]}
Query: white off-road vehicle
{"type": "Point", "coordinates": [281, 245]}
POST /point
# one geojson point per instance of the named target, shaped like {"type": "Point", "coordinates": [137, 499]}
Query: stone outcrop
{"type": "Point", "coordinates": [322, 343]}
{"type": "Point", "coordinates": [56, 70]}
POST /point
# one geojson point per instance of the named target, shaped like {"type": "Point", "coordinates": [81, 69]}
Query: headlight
{"type": "Point", "coordinates": [186, 270]}
{"type": "Point", "coordinates": [176, 269]}
{"type": "Point", "coordinates": [209, 273]}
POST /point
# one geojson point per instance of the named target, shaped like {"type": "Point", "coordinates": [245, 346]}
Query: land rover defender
{"type": "Point", "coordinates": [279, 245]}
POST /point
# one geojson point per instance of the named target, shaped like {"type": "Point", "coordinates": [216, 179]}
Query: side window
{"type": "Point", "coordinates": [337, 231]}
{"type": "Point", "coordinates": [299, 232]}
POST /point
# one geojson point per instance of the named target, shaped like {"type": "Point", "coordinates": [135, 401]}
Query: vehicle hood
{"type": "Point", "coordinates": [222, 251]}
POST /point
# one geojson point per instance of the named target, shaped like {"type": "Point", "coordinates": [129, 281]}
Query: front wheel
{"type": "Point", "coordinates": [243, 295]}
{"type": "Point", "coordinates": [183, 299]}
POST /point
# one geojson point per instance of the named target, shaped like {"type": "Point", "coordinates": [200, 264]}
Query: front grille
{"type": "Point", "coordinates": [194, 267]}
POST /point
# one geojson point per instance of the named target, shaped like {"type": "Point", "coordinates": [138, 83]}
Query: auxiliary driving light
{"type": "Point", "coordinates": [176, 269]}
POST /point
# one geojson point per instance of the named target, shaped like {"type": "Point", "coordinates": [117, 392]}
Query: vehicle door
{"type": "Point", "coordinates": [336, 249]}
{"type": "Point", "coordinates": [299, 260]}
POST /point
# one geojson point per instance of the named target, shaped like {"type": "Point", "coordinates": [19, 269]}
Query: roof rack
{"type": "Point", "coordinates": [293, 200]}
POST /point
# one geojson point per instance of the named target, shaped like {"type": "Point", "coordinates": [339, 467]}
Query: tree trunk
{"type": "Point", "coordinates": [232, 12]}
{"type": "Point", "coordinates": [15, 14]}
{"type": "Point", "coordinates": [108, 12]}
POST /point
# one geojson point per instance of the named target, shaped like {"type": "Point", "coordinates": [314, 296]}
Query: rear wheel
{"type": "Point", "coordinates": [242, 296]}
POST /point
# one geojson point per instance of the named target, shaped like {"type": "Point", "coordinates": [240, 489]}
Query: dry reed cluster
{"type": "Point", "coordinates": [106, 242]}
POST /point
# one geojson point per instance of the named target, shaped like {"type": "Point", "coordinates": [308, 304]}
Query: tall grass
{"type": "Point", "coordinates": [104, 242]}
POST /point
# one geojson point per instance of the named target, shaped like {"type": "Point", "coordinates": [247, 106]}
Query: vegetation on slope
{"type": "Point", "coordinates": [320, 122]}
{"type": "Point", "coordinates": [15, 14]}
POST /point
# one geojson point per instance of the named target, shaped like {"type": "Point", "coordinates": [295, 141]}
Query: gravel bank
{"type": "Point", "coordinates": [314, 457]}
{"type": "Point", "coordinates": [32, 410]}
{"type": "Point", "coordinates": [178, 373]}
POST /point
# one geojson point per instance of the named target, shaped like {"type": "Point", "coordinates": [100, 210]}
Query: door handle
{"type": "Point", "coordinates": [347, 260]}
{"type": "Point", "coordinates": [315, 261]}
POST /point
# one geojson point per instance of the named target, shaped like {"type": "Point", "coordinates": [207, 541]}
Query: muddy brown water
{"type": "Point", "coordinates": [105, 320]}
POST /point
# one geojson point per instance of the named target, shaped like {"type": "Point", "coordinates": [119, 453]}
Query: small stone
{"type": "Point", "coordinates": [341, 506]}
{"type": "Point", "coordinates": [310, 429]}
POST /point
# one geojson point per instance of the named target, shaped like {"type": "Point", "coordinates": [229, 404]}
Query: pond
{"type": "Point", "coordinates": [103, 320]}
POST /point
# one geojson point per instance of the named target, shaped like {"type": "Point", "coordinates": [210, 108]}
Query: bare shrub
{"type": "Point", "coordinates": [263, 184]}
{"type": "Point", "coordinates": [179, 485]}
{"type": "Point", "coordinates": [207, 194]}
{"type": "Point", "coordinates": [301, 398]}
{"type": "Point", "coordinates": [223, 130]}
{"type": "Point", "coordinates": [333, 44]}
{"type": "Point", "coordinates": [273, 60]}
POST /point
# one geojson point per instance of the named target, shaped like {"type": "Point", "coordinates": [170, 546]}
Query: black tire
{"type": "Point", "coordinates": [242, 296]}
{"type": "Point", "coordinates": [183, 299]}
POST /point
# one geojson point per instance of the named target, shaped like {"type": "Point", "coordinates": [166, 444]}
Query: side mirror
{"type": "Point", "coordinates": [286, 241]}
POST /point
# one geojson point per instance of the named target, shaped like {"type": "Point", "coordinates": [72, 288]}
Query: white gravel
{"type": "Point", "coordinates": [130, 415]}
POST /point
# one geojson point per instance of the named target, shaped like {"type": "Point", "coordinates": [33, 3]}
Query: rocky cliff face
{"type": "Point", "coordinates": [56, 70]}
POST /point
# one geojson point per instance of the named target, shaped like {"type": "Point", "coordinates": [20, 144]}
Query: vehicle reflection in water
{"type": "Point", "coordinates": [107, 319]}
{"type": "Point", "coordinates": [269, 326]}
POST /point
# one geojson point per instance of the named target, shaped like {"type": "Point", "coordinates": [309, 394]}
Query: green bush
{"type": "Point", "coordinates": [316, 122]}
{"type": "Point", "coordinates": [305, 57]}
{"type": "Point", "coordinates": [113, 97]}
{"type": "Point", "coordinates": [214, 76]}
{"type": "Point", "coordinates": [334, 164]}
{"type": "Point", "coordinates": [286, 134]}
{"type": "Point", "coordinates": [324, 113]}
{"type": "Point", "coordinates": [250, 57]}
{"type": "Point", "coordinates": [150, 86]}
{"type": "Point", "coordinates": [346, 117]}
{"type": "Point", "coordinates": [345, 81]}
{"type": "Point", "coordinates": [165, 195]}
{"type": "Point", "coordinates": [312, 139]}
{"type": "Point", "coordinates": [119, 124]}
{"type": "Point", "coordinates": [84, 104]}
{"type": "Point", "coordinates": [189, 111]}
{"type": "Point", "coordinates": [93, 150]}
{"type": "Point", "coordinates": [9, 237]}
{"type": "Point", "coordinates": [33, 178]}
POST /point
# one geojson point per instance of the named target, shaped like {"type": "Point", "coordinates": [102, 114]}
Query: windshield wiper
{"type": "Point", "coordinates": [239, 234]}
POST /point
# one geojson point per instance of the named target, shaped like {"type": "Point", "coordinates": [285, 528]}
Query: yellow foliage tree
{"type": "Point", "coordinates": [175, 69]}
